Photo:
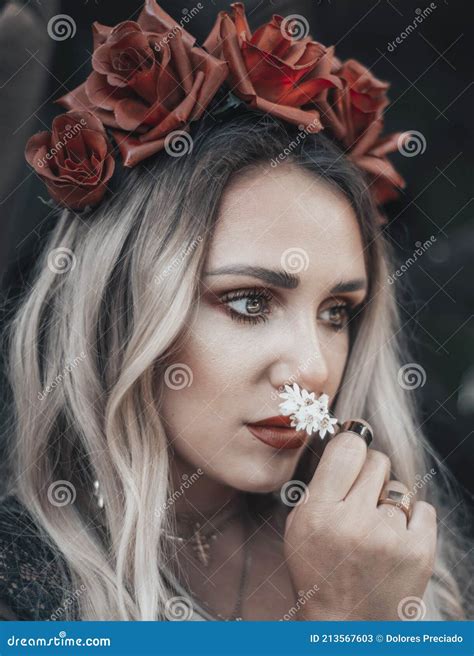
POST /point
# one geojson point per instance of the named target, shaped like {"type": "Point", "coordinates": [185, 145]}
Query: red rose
{"type": "Point", "coordinates": [270, 70]}
{"type": "Point", "coordinates": [74, 160]}
{"type": "Point", "coordinates": [148, 79]}
{"type": "Point", "coordinates": [355, 116]}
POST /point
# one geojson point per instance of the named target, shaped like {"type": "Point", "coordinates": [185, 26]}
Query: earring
{"type": "Point", "coordinates": [306, 411]}
{"type": "Point", "coordinates": [100, 498]}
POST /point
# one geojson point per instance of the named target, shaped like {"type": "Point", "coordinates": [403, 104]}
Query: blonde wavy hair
{"type": "Point", "coordinates": [88, 349]}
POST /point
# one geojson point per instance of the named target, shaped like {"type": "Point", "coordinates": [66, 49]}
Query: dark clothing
{"type": "Point", "coordinates": [33, 579]}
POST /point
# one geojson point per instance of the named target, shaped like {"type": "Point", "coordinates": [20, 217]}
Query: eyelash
{"type": "Point", "coordinates": [258, 294]}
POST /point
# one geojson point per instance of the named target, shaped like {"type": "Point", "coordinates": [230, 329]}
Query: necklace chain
{"type": "Point", "coordinates": [200, 542]}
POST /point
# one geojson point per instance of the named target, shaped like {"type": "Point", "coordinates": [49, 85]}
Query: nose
{"type": "Point", "coordinates": [301, 359]}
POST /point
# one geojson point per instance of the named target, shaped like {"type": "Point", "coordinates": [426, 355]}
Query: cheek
{"type": "Point", "coordinates": [217, 369]}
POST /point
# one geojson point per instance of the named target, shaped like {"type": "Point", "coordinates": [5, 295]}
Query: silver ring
{"type": "Point", "coordinates": [359, 427]}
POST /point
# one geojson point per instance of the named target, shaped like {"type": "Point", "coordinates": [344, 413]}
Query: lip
{"type": "Point", "coordinates": [280, 421]}
{"type": "Point", "coordinates": [278, 437]}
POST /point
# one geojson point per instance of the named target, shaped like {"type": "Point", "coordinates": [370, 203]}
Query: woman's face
{"type": "Point", "coordinates": [255, 331]}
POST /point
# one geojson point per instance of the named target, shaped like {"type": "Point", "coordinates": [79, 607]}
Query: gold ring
{"type": "Point", "coordinates": [359, 427]}
{"type": "Point", "coordinates": [396, 498]}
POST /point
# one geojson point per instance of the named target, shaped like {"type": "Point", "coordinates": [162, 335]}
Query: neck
{"type": "Point", "coordinates": [198, 494]}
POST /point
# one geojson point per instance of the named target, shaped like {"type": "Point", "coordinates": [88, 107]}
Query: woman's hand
{"type": "Point", "coordinates": [359, 559]}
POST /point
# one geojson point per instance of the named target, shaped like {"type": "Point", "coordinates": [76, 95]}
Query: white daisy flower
{"type": "Point", "coordinates": [327, 425]}
{"type": "Point", "coordinates": [306, 411]}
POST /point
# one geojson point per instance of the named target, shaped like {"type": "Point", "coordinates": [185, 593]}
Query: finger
{"type": "Point", "coordinates": [423, 518]}
{"type": "Point", "coordinates": [372, 477]}
{"type": "Point", "coordinates": [338, 467]}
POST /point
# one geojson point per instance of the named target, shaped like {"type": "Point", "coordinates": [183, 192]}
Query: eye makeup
{"type": "Point", "coordinates": [259, 300]}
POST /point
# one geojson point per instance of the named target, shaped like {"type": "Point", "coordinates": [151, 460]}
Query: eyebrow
{"type": "Point", "coordinates": [283, 279]}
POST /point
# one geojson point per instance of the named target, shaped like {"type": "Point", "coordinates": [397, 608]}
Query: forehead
{"type": "Point", "coordinates": [267, 214]}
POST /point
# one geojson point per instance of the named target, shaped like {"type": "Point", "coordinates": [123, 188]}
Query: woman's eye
{"type": "Point", "coordinates": [339, 315]}
{"type": "Point", "coordinates": [249, 306]}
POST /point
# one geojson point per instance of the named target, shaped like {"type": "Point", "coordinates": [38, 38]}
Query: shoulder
{"type": "Point", "coordinates": [32, 578]}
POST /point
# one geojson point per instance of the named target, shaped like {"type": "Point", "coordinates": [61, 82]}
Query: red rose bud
{"type": "Point", "coordinates": [74, 160]}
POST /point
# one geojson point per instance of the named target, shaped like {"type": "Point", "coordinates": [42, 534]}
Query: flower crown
{"type": "Point", "coordinates": [150, 81]}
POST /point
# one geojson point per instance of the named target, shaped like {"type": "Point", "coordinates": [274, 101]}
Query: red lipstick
{"type": "Point", "coordinates": [278, 433]}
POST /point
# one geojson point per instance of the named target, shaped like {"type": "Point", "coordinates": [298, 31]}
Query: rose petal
{"type": "Point", "coordinates": [215, 72]}
{"type": "Point", "coordinates": [101, 94]}
{"type": "Point", "coordinates": [154, 19]}
{"type": "Point", "coordinates": [179, 116]}
{"type": "Point", "coordinates": [240, 20]}
{"type": "Point", "coordinates": [237, 70]}
{"type": "Point", "coordinates": [100, 33]}
{"type": "Point", "coordinates": [309, 120]}
{"type": "Point", "coordinates": [134, 151]}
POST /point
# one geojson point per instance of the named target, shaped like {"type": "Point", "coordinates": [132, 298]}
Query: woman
{"type": "Point", "coordinates": [159, 331]}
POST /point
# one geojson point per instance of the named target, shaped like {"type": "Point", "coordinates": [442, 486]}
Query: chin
{"type": "Point", "coordinates": [266, 479]}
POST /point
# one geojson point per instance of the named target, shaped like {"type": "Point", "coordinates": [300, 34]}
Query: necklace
{"type": "Point", "coordinates": [200, 543]}
{"type": "Point", "coordinates": [200, 540]}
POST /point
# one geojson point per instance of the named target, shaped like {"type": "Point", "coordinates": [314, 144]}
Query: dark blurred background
{"type": "Point", "coordinates": [430, 70]}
